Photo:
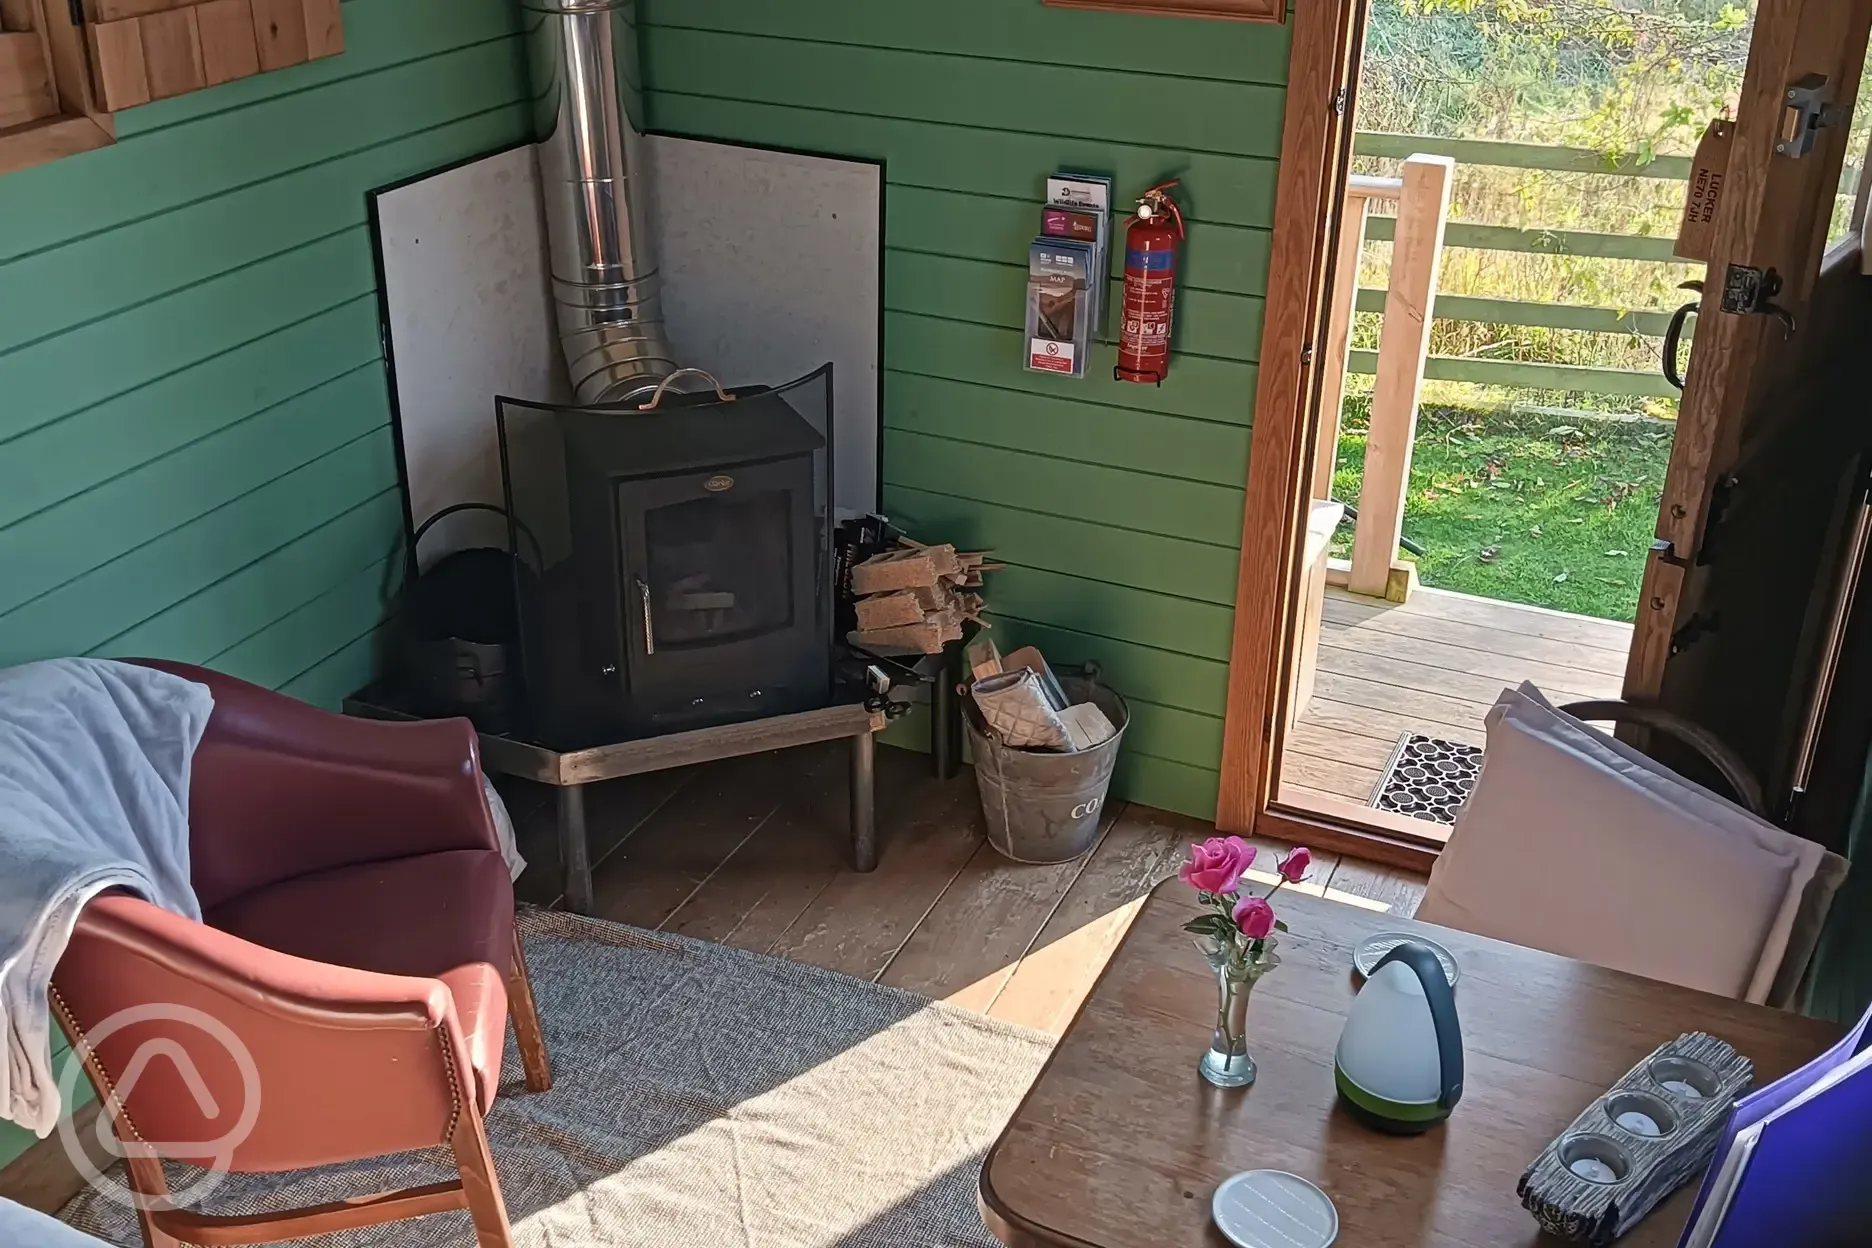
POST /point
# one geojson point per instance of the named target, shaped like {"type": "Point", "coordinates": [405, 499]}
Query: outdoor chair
{"type": "Point", "coordinates": [1575, 843]}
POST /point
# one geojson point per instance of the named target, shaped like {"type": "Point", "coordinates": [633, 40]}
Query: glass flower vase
{"type": "Point", "coordinates": [1228, 1064]}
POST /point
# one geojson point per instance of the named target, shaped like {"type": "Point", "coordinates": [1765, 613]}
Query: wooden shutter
{"type": "Point", "coordinates": [47, 108]}
{"type": "Point", "coordinates": [143, 50]}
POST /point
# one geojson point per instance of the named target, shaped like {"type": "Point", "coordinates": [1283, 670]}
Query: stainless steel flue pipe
{"type": "Point", "coordinates": [588, 95]}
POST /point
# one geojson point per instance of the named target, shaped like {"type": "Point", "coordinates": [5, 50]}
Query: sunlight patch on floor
{"type": "Point", "coordinates": [770, 1147]}
{"type": "Point", "coordinates": [1046, 986]}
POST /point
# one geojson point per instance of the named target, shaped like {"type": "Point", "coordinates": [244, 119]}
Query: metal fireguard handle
{"type": "Point", "coordinates": [664, 385]}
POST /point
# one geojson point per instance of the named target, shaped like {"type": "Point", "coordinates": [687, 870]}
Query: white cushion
{"type": "Point", "coordinates": [1578, 844]}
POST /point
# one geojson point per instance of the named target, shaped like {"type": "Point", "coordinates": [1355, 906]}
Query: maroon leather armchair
{"type": "Point", "coordinates": [348, 992]}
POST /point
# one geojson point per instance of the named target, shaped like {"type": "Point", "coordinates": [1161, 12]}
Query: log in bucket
{"type": "Point", "coordinates": [1044, 807]}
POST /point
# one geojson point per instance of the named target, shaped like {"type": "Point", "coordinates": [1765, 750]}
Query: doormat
{"type": "Point", "coordinates": [703, 1096]}
{"type": "Point", "coordinates": [1427, 778]}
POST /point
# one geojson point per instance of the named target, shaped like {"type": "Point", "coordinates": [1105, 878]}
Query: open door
{"type": "Point", "coordinates": [1729, 628]}
{"type": "Point", "coordinates": [1768, 323]}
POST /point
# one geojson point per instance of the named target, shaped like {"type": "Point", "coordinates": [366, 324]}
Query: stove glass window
{"type": "Point", "coordinates": [720, 569]}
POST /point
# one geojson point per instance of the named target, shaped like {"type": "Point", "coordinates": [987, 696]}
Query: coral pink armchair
{"type": "Point", "coordinates": [358, 946]}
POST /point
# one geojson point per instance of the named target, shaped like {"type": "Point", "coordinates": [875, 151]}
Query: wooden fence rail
{"type": "Point", "coordinates": [1410, 301]}
{"type": "Point", "coordinates": [1643, 248]}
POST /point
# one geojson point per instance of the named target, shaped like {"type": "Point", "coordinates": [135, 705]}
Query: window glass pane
{"type": "Point", "coordinates": [1847, 209]}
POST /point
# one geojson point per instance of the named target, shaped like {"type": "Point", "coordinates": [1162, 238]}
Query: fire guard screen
{"type": "Point", "coordinates": [675, 565]}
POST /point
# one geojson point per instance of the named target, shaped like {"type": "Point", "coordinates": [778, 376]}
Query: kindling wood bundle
{"type": "Point", "coordinates": [916, 599]}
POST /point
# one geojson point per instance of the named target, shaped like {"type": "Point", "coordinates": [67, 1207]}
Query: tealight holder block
{"type": "Point", "coordinates": [1652, 1131]}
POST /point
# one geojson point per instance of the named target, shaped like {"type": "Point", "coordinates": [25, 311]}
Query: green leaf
{"type": "Point", "coordinates": [1211, 925]}
{"type": "Point", "coordinates": [1280, 925]}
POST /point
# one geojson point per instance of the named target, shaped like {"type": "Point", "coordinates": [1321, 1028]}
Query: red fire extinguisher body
{"type": "Point", "coordinates": [1150, 288]}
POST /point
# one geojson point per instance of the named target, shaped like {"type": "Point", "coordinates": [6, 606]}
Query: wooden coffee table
{"type": "Point", "coordinates": [1119, 1144]}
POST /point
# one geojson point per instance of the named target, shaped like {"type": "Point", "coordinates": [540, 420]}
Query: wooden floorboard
{"type": "Point", "coordinates": [1399, 699]}
{"type": "Point", "coordinates": [770, 880]}
{"type": "Point", "coordinates": [928, 832]}
{"type": "Point", "coordinates": [1328, 720]}
{"type": "Point", "coordinates": [1410, 673]}
{"type": "Point", "coordinates": [679, 848]}
{"type": "Point", "coordinates": [1502, 669]}
{"type": "Point", "coordinates": [969, 944]}
{"type": "Point", "coordinates": [1353, 745]}
{"type": "Point", "coordinates": [1051, 980]}
{"type": "Point", "coordinates": [1349, 780]}
{"type": "Point", "coordinates": [1396, 890]}
{"type": "Point", "coordinates": [1434, 666]}
{"type": "Point", "coordinates": [1513, 617]}
{"type": "Point", "coordinates": [1342, 609]}
{"type": "Point", "coordinates": [615, 810]}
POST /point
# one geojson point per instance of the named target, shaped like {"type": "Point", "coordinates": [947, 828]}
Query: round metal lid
{"type": "Point", "coordinates": [1274, 1209]}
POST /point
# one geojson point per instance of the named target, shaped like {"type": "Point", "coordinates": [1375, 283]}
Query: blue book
{"type": "Point", "coordinates": [1793, 1162]}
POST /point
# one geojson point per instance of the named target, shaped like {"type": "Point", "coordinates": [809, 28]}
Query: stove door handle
{"type": "Point", "coordinates": [643, 592]}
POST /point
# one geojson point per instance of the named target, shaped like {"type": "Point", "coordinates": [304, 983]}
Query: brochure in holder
{"type": "Point", "coordinates": [1067, 269]}
{"type": "Point", "coordinates": [1059, 306]}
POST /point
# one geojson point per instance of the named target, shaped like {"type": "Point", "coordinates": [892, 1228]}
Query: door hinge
{"type": "Point", "coordinates": [1748, 291]}
{"type": "Point", "coordinates": [1340, 100]}
{"type": "Point", "coordinates": [1696, 627]}
{"type": "Point", "coordinates": [77, 12]}
{"type": "Point", "coordinates": [1805, 111]}
{"type": "Point", "coordinates": [1721, 495]}
{"type": "Point", "coordinates": [1306, 356]}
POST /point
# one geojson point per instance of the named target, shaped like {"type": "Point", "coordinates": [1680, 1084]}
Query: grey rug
{"type": "Point", "coordinates": [709, 1097]}
{"type": "Point", "coordinates": [1428, 778]}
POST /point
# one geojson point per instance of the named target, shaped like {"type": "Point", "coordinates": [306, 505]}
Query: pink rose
{"type": "Point", "coordinates": [1216, 865]}
{"type": "Point", "coordinates": [1294, 866]}
{"type": "Point", "coordinates": [1255, 917]}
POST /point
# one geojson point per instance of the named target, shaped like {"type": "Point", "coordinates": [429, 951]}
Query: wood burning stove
{"type": "Point", "coordinates": [684, 573]}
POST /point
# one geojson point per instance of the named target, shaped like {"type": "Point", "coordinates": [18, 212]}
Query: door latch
{"type": "Point", "coordinates": [1748, 290]}
{"type": "Point", "coordinates": [1805, 111]}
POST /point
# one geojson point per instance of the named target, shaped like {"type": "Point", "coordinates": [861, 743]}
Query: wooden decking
{"type": "Point", "coordinates": [1433, 665]}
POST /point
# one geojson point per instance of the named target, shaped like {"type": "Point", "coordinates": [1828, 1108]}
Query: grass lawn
{"type": "Point", "coordinates": [1524, 507]}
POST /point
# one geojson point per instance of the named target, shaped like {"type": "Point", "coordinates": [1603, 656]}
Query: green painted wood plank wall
{"type": "Point", "coordinates": [195, 457]}
{"type": "Point", "coordinates": [1117, 507]}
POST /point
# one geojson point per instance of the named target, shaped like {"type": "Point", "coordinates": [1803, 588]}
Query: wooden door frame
{"type": "Point", "coordinates": [1316, 146]}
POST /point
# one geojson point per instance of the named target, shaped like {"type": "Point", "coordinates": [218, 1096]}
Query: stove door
{"type": "Point", "coordinates": [723, 612]}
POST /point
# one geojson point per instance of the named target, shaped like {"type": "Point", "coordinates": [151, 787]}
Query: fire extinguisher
{"type": "Point", "coordinates": [1150, 287]}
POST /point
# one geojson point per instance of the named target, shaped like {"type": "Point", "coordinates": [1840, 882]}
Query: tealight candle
{"type": "Point", "coordinates": [1677, 1087]}
{"type": "Point", "coordinates": [1638, 1123]}
{"type": "Point", "coordinates": [1593, 1170]}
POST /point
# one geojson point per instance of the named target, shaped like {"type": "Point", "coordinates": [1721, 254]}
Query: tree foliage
{"type": "Point", "coordinates": [1629, 77]}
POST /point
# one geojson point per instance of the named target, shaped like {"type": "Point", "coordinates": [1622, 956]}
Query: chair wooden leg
{"type": "Point", "coordinates": [480, 1185]}
{"type": "Point", "coordinates": [145, 1174]}
{"type": "Point", "coordinates": [143, 1170]}
{"type": "Point", "coordinates": [526, 1024]}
